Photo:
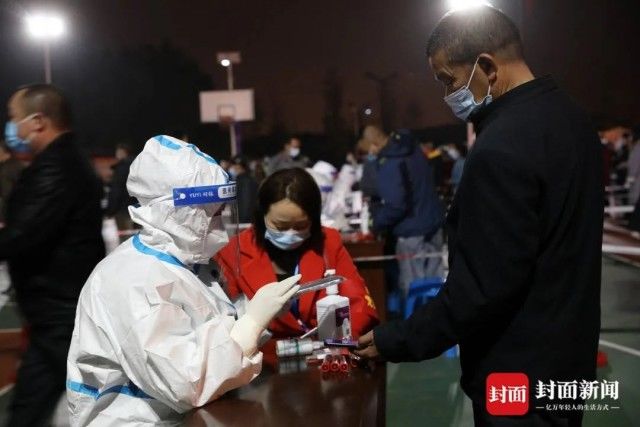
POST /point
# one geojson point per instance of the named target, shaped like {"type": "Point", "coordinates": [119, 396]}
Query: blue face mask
{"type": "Point", "coordinates": [286, 240]}
{"type": "Point", "coordinates": [371, 157]}
{"type": "Point", "coordinates": [14, 142]}
{"type": "Point", "coordinates": [463, 103]}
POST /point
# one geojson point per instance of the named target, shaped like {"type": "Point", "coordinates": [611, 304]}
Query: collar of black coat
{"type": "Point", "coordinates": [61, 139]}
{"type": "Point", "coordinates": [517, 95]}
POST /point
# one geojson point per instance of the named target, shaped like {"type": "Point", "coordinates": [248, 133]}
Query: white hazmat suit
{"type": "Point", "coordinates": [150, 339]}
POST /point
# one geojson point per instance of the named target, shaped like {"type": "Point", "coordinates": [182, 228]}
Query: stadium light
{"type": "Point", "coordinates": [45, 27]}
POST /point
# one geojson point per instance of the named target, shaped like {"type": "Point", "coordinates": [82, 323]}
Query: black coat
{"type": "Point", "coordinates": [525, 236]}
{"type": "Point", "coordinates": [53, 235]}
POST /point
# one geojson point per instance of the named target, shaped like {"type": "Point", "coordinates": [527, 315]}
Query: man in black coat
{"type": "Point", "coordinates": [525, 229]}
{"type": "Point", "coordinates": [52, 241]}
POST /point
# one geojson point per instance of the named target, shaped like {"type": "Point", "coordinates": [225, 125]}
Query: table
{"type": "Point", "coordinates": [371, 271]}
{"type": "Point", "coordinates": [300, 398]}
{"type": "Point", "coordinates": [10, 352]}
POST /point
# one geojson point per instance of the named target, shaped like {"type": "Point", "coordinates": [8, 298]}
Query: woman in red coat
{"type": "Point", "coordinates": [287, 239]}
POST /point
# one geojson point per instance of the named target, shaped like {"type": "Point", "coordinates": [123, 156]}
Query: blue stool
{"type": "Point", "coordinates": [420, 292]}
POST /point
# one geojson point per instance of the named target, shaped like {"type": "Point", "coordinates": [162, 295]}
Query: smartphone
{"type": "Point", "coordinates": [341, 343]}
{"type": "Point", "coordinates": [319, 284]}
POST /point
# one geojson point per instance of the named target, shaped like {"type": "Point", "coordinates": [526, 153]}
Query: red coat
{"type": "Point", "coordinates": [256, 271]}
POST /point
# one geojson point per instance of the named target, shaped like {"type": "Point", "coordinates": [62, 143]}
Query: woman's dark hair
{"type": "Point", "coordinates": [298, 186]}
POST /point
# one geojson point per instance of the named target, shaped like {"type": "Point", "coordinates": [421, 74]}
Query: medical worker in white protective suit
{"type": "Point", "coordinates": [150, 338]}
{"type": "Point", "coordinates": [336, 193]}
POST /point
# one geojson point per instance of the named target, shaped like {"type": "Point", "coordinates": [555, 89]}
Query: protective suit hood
{"type": "Point", "coordinates": [185, 232]}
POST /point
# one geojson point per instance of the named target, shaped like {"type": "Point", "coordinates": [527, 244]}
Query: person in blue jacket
{"type": "Point", "coordinates": [408, 207]}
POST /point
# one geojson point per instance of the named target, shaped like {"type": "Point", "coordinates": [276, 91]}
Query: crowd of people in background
{"type": "Point", "coordinates": [442, 166]}
{"type": "Point", "coordinates": [383, 170]}
{"type": "Point", "coordinates": [621, 156]}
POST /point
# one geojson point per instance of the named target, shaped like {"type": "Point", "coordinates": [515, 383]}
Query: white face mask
{"type": "Point", "coordinates": [294, 152]}
{"type": "Point", "coordinates": [619, 143]}
{"type": "Point", "coordinates": [286, 240]}
{"type": "Point", "coordinates": [463, 103]}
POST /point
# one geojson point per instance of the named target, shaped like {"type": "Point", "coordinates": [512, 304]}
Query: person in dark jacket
{"type": "Point", "coordinates": [408, 207]}
{"type": "Point", "coordinates": [247, 189]}
{"type": "Point", "coordinates": [368, 182]}
{"type": "Point", "coordinates": [525, 228]}
{"type": "Point", "coordinates": [119, 200]}
{"type": "Point", "coordinates": [289, 157]}
{"type": "Point", "coordinates": [52, 241]}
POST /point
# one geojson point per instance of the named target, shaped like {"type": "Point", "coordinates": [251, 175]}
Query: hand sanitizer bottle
{"type": "Point", "coordinates": [334, 316]}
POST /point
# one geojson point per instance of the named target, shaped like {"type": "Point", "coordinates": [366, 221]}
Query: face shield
{"type": "Point", "coordinates": [219, 210]}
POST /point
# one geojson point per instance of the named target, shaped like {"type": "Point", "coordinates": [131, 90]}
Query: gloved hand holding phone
{"type": "Point", "coordinates": [266, 304]}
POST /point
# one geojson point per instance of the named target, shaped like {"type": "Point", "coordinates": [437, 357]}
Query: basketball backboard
{"type": "Point", "coordinates": [226, 106]}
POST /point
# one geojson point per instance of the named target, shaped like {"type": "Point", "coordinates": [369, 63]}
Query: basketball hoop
{"type": "Point", "coordinates": [226, 121]}
{"type": "Point", "coordinates": [226, 115]}
{"type": "Point", "coordinates": [227, 108]}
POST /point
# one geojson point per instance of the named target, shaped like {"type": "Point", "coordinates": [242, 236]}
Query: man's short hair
{"type": "Point", "coordinates": [464, 34]}
{"type": "Point", "coordinates": [374, 131]}
{"type": "Point", "coordinates": [48, 100]}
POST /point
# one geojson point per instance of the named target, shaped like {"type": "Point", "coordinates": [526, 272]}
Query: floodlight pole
{"type": "Point", "coordinates": [230, 76]}
{"type": "Point", "coordinates": [47, 62]}
{"type": "Point", "coordinates": [227, 59]}
{"type": "Point", "coordinates": [232, 125]}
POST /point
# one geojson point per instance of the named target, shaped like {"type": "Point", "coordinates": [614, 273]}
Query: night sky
{"type": "Point", "coordinates": [591, 47]}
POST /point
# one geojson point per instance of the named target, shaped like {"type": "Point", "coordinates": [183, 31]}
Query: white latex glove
{"type": "Point", "coordinates": [264, 306]}
{"type": "Point", "coordinates": [270, 299]}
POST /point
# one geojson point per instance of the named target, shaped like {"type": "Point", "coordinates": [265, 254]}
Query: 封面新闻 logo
{"type": "Point", "coordinates": [507, 393]}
